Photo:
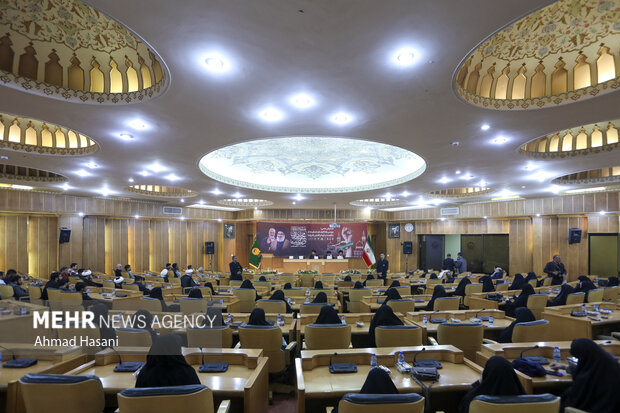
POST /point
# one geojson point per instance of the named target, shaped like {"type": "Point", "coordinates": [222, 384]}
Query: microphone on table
{"type": "Point", "coordinates": [331, 356]}
{"type": "Point", "coordinates": [417, 353]}
{"type": "Point", "coordinates": [128, 366]}
{"type": "Point", "coordinates": [528, 349]}
{"type": "Point", "coordinates": [476, 316]}
{"type": "Point", "coordinates": [21, 362]}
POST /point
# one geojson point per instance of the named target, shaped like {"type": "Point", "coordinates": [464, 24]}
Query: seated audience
{"type": "Point", "coordinates": [498, 273]}
{"type": "Point", "coordinates": [55, 282]}
{"type": "Point", "coordinates": [520, 301]}
{"type": "Point", "coordinates": [327, 315]}
{"type": "Point", "coordinates": [522, 315]}
{"type": "Point", "coordinates": [247, 284]}
{"type": "Point", "coordinates": [438, 292]}
{"type": "Point", "coordinates": [257, 318]}
{"type": "Point", "coordinates": [130, 274]}
{"type": "Point", "coordinates": [143, 319]}
{"type": "Point", "coordinates": [460, 288]}
{"type": "Point", "coordinates": [158, 295]}
{"type": "Point", "coordinates": [487, 284]}
{"type": "Point", "coordinates": [383, 317]}
{"type": "Point", "coordinates": [139, 281]}
{"type": "Point", "coordinates": [15, 281]}
{"type": "Point", "coordinates": [318, 285]}
{"type": "Point", "coordinates": [279, 296]}
{"type": "Point", "coordinates": [498, 379]}
{"type": "Point", "coordinates": [118, 280]}
{"type": "Point", "coordinates": [87, 277]}
{"type": "Point", "coordinates": [187, 280]}
{"type": "Point", "coordinates": [195, 293]}
{"type": "Point", "coordinates": [166, 366]}
{"type": "Point", "coordinates": [392, 294]}
{"type": "Point", "coordinates": [320, 298]}
{"type": "Point", "coordinates": [81, 288]}
{"type": "Point", "coordinates": [517, 283]}
{"type": "Point", "coordinates": [560, 299]}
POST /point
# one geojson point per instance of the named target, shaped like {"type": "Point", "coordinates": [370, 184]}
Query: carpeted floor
{"type": "Point", "coordinates": [282, 403]}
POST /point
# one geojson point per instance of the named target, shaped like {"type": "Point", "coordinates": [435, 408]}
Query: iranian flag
{"type": "Point", "coordinates": [369, 254]}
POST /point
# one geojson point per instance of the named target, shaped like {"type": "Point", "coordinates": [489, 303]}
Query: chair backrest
{"type": "Point", "coordinates": [6, 292]}
{"type": "Point", "coordinates": [446, 303]}
{"type": "Point", "coordinates": [133, 337]}
{"type": "Point", "coordinates": [374, 283]}
{"type": "Point", "coordinates": [34, 291]}
{"type": "Point", "coordinates": [267, 338]}
{"type": "Point", "coordinates": [66, 301]}
{"type": "Point", "coordinates": [596, 296]}
{"type": "Point", "coordinates": [530, 331]}
{"type": "Point", "coordinates": [192, 305]}
{"type": "Point", "coordinates": [465, 336]}
{"type": "Point", "coordinates": [131, 287]}
{"type": "Point", "coordinates": [430, 283]}
{"type": "Point", "coordinates": [215, 337]}
{"type": "Point", "coordinates": [53, 294]}
{"type": "Point", "coordinates": [327, 336]}
{"type": "Point", "coordinates": [288, 278]}
{"type": "Point", "coordinates": [235, 283]}
{"type": "Point", "coordinates": [502, 287]}
{"type": "Point", "coordinates": [473, 289]}
{"type": "Point", "coordinates": [247, 299]}
{"type": "Point", "coordinates": [575, 298]}
{"type": "Point", "coordinates": [272, 306]}
{"type": "Point", "coordinates": [398, 336]}
{"type": "Point", "coordinates": [147, 303]}
{"type": "Point", "coordinates": [531, 403]}
{"type": "Point", "coordinates": [193, 398]}
{"type": "Point", "coordinates": [537, 303]}
{"type": "Point", "coordinates": [609, 294]}
{"type": "Point", "coordinates": [294, 292]}
{"type": "Point", "coordinates": [312, 308]}
{"type": "Point", "coordinates": [59, 393]}
{"type": "Point", "coordinates": [355, 297]}
{"type": "Point", "coordinates": [547, 281]}
{"type": "Point", "coordinates": [532, 283]}
{"type": "Point", "coordinates": [371, 403]}
{"type": "Point", "coordinates": [306, 280]}
{"type": "Point", "coordinates": [402, 306]}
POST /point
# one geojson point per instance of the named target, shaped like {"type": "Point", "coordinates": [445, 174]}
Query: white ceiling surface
{"type": "Point", "coordinates": [340, 52]}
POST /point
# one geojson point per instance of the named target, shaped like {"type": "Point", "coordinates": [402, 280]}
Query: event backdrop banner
{"type": "Point", "coordinates": [283, 239]}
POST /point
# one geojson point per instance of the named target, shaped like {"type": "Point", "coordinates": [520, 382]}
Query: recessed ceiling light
{"type": "Point", "coordinates": [368, 209]}
{"type": "Point", "coordinates": [523, 187]}
{"type": "Point", "coordinates": [82, 173]}
{"type": "Point", "coordinates": [458, 172]}
{"type": "Point", "coordinates": [504, 193]}
{"type": "Point", "coordinates": [467, 176]}
{"type": "Point", "coordinates": [182, 218]}
{"type": "Point", "coordinates": [442, 219]}
{"type": "Point", "coordinates": [4, 157]}
{"type": "Point", "coordinates": [537, 215]}
{"type": "Point", "coordinates": [445, 180]}
{"type": "Point", "coordinates": [482, 183]}
{"type": "Point", "coordinates": [237, 195]}
{"type": "Point", "coordinates": [602, 212]}
{"type": "Point", "coordinates": [530, 167]}
{"type": "Point", "coordinates": [485, 217]}
{"type": "Point", "coordinates": [219, 220]}
{"type": "Point", "coordinates": [485, 126]}
{"type": "Point", "coordinates": [182, 200]}
{"type": "Point", "coordinates": [91, 165]}
{"type": "Point", "coordinates": [105, 191]}
{"type": "Point", "coordinates": [500, 140]}
{"type": "Point", "coordinates": [65, 186]}
{"type": "Point", "coordinates": [144, 173]}
{"type": "Point", "coordinates": [299, 197]}
{"type": "Point", "coordinates": [137, 216]}
{"type": "Point", "coordinates": [294, 203]}
{"type": "Point", "coordinates": [156, 167]}
{"type": "Point", "coordinates": [130, 179]}
{"type": "Point", "coordinates": [216, 191]}
{"type": "Point", "coordinates": [23, 187]}
{"type": "Point", "coordinates": [215, 64]}
{"type": "Point", "coordinates": [555, 189]}
{"type": "Point", "coordinates": [405, 194]}
{"type": "Point", "coordinates": [404, 57]}
{"type": "Point", "coordinates": [126, 136]}
{"type": "Point", "coordinates": [138, 124]}
{"type": "Point", "coordinates": [201, 202]}
{"type": "Point", "coordinates": [302, 101]}
{"type": "Point", "coordinates": [81, 214]}
{"type": "Point", "coordinates": [341, 118]}
{"type": "Point", "coordinates": [172, 177]}
{"type": "Point", "coordinates": [540, 176]}
{"type": "Point", "coordinates": [255, 208]}
{"type": "Point", "coordinates": [271, 114]}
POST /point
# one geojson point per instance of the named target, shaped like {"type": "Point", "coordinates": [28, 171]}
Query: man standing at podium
{"type": "Point", "coordinates": [382, 266]}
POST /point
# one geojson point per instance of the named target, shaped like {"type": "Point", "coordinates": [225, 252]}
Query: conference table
{"type": "Point", "coordinates": [18, 325]}
{"type": "Point", "coordinates": [548, 383]}
{"type": "Point", "coordinates": [318, 388]}
{"type": "Point", "coordinates": [564, 326]}
{"type": "Point", "coordinates": [372, 303]}
{"type": "Point", "coordinates": [500, 321]}
{"type": "Point", "coordinates": [245, 383]}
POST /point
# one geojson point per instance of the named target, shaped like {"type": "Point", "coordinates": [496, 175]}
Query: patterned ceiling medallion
{"type": "Point", "coordinates": [245, 202]}
{"type": "Point", "coordinates": [603, 175]}
{"type": "Point", "coordinates": [22, 173]}
{"type": "Point", "coordinates": [378, 202]}
{"type": "Point", "coordinates": [465, 192]}
{"type": "Point", "coordinates": [35, 136]}
{"type": "Point", "coordinates": [558, 54]}
{"type": "Point", "coordinates": [301, 164]}
{"type": "Point", "coordinates": [161, 191]}
{"type": "Point", "coordinates": [582, 140]}
{"type": "Point", "coordinates": [67, 50]}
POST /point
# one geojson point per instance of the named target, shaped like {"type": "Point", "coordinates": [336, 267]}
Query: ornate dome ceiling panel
{"type": "Point", "coordinates": [582, 140]}
{"type": "Point", "coordinates": [67, 50]}
{"type": "Point", "coordinates": [35, 136]}
{"type": "Point", "coordinates": [464, 192]}
{"type": "Point", "coordinates": [302, 164]}
{"type": "Point", "coordinates": [565, 52]}
{"type": "Point", "coordinates": [161, 191]}
{"type": "Point", "coordinates": [378, 202]}
{"type": "Point", "coordinates": [593, 176]}
{"type": "Point", "coordinates": [245, 202]}
{"type": "Point", "coordinates": [22, 173]}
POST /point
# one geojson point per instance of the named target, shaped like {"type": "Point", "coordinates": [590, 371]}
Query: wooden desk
{"type": "Point", "coordinates": [500, 321]}
{"type": "Point", "coordinates": [50, 360]}
{"type": "Point", "coordinates": [372, 303]}
{"type": "Point", "coordinates": [20, 326]}
{"type": "Point", "coordinates": [320, 265]}
{"type": "Point", "coordinates": [511, 351]}
{"type": "Point", "coordinates": [317, 387]}
{"type": "Point", "coordinates": [246, 383]}
{"type": "Point", "coordinates": [563, 326]}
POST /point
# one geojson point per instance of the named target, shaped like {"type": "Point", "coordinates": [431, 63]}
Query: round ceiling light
{"type": "Point", "coordinates": [303, 164]}
{"type": "Point", "coordinates": [245, 202]}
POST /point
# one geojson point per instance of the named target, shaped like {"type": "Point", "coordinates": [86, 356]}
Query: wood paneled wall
{"type": "Point", "coordinates": [42, 245]}
{"type": "Point", "coordinates": [71, 251]}
{"type": "Point", "coordinates": [13, 241]}
{"type": "Point", "coordinates": [520, 244]}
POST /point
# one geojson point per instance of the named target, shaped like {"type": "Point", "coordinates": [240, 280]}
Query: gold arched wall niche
{"type": "Point", "coordinates": [582, 140]}
{"type": "Point", "coordinates": [602, 175]}
{"type": "Point", "coordinates": [68, 50]}
{"type": "Point", "coordinates": [22, 173]}
{"type": "Point", "coordinates": [464, 192]}
{"type": "Point", "coordinates": [161, 191]}
{"type": "Point", "coordinates": [35, 136]}
{"type": "Point", "coordinates": [565, 52]}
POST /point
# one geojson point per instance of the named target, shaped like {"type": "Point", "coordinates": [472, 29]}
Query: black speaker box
{"type": "Point", "coordinates": [209, 247]}
{"type": "Point", "coordinates": [574, 235]}
{"type": "Point", "coordinates": [65, 235]}
{"type": "Point", "coordinates": [407, 247]}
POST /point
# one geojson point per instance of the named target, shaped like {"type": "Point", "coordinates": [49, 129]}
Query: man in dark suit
{"type": "Point", "coordinates": [556, 270]}
{"type": "Point", "coordinates": [187, 281]}
{"type": "Point", "coordinates": [382, 266]}
{"type": "Point", "coordinates": [448, 263]}
{"type": "Point", "coordinates": [236, 270]}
